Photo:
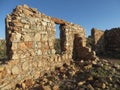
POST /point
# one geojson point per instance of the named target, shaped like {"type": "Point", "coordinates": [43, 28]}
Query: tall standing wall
{"type": "Point", "coordinates": [29, 34]}
{"type": "Point", "coordinates": [68, 33]}
{"type": "Point", "coordinates": [30, 38]}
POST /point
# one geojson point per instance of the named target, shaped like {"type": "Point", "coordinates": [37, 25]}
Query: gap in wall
{"type": "Point", "coordinates": [57, 40]}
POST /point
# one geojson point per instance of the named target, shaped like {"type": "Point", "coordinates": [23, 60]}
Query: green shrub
{"type": "Point", "coordinates": [89, 42]}
{"type": "Point", "coordinates": [2, 49]}
{"type": "Point", "coordinates": [57, 46]}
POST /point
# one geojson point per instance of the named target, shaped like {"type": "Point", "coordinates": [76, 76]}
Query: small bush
{"type": "Point", "coordinates": [57, 46]}
{"type": "Point", "coordinates": [89, 42]}
{"type": "Point", "coordinates": [2, 49]}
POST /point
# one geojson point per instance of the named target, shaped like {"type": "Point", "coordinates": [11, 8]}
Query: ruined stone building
{"type": "Point", "coordinates": [107, 42]}
{"type": "Point", "coordinates": [98, 40]}
{"type": "Point", "coordinates": [30, 38]}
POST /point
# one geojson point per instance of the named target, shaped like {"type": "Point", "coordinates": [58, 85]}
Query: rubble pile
{"type": "Point", "coordinates": [33, 64]}
{"type": "Point", "coordinates": [79, 75]}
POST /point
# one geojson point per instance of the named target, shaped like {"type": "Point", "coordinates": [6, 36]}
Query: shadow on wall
{"type": "Point", "coordinates": [112, 42]}
{"type": "Point", "coordinates": [99, 46]}
{"type": "Point", "coordinates": [106, 44]}
{"type": "Point", "coordinates": [81, 52]}
{"type": "Point", "coordinates": [76, 43]}
{"type": "Point", "coordinates": [98, 41]}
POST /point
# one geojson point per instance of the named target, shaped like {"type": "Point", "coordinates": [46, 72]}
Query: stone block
{"type": "Point", "coordinates": [27, 37]}
{"type": "Point", "coordinates": [22, 46]}
{"type": "Point", "coordinates": [15, 70]}
{"type": "Point", "coordinates": [44, 23]}
{"type": "Point", "coordinates": [15, 56]}
{"type": "Point", "coordinates": [37, 37]}
{"type": "Point", "coordinates": [3, 72]}
{"type": "Point", "coordinates": [39, 64]}
{"type": "Point", "coordinates": [2, 67]}
{"type": "Point", "coordinates": [26, 26]}
{"type": "Point", "coordinates": [25, 66]}
{"type": "Point", "coordinates": [27, 12]}
{"type": "Point", "coordinates": [29, 44]}
{"type": "Point", "coordinates": [18, 24]}
{"type": "Point", "coordinates": [15, 37]}
{"type": "Point", "coordinates": [14, 46]}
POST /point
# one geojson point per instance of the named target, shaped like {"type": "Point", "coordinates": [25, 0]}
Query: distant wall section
{"type": "Point", "coordinates": [98, 40]}
{"type": "Point", "coordinates": [106, 42]}
{"type": "Point", "coordinates": [112, 42]}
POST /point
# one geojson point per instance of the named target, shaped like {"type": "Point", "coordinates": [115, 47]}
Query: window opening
{"type": "Point", "coordinates": [57, 40]}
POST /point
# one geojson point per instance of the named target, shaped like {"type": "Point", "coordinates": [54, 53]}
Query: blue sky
{"type": "Point", "coordinates": [101, 14]}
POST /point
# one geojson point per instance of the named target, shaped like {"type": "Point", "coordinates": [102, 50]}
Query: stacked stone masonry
{"type": "Point", "coordinates": [107, 42]}
{"type": "Point", "coordinates": [112, 38]}
{"type": "Point", "coordinates": [98, 40]}
{"type": "Point", "coordinates": [30, 38]}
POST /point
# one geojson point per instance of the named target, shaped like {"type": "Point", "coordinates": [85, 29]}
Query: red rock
{"type": "Point", "coordinates": [22, 46]}
{"type": "Point", "coordinates": [56, 88]}
{"type": "Point", "coordinates": [29, 44]}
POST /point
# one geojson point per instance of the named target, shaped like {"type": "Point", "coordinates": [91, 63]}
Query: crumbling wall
{"type": "Point", "coordinates": [82, 52]}
{"type": "Point", "coordinates": [68, 35]}
{"type": "Point", "coordinates": [29, 34]}
{"type": "Point", "coordinates": [112, 41]}
{"type": "Point", "coordinates": [107, 43]}
{"type": "Point", "coordinates": [30, 38]}
{"type": "Point", "coordinates": [98, 40]}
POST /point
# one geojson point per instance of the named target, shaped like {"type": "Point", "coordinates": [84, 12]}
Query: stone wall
{"type": "Point", "coordinates": [98, 40]}
{"type": "Point", "coordinates": [107, 42]}
{"type": "Point", "coordinates": [30, 38]}
{"type": "Point", "coordinates": [68, 33]}
{"type": "Point", "coordinates": [80, 51]}
{"type": "Point", "coordinates": [29, 34]}
{"type": "Point", "coordinates": [112, 41]}
{"type": "Point", "coordinates": [32, 34]}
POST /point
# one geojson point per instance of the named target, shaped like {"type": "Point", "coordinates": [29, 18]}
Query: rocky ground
{"type": "Point", "coordinates": [79, 75]}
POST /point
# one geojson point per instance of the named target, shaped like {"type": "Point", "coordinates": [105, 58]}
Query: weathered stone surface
{"type": "Point", "coordinates": [16, 37]}
{"type": "Point", "coordinates": [25, 66]}
{"type": "Point", "coordinates": [112, 41]}
{"type": "Point", "coordinates": [22, 46]}
{"type": "Point", "coordinates": [3, 72]}
{"type": "Point", "coordinates": [58, 21]}
{"type": "Point", "coordinates": [37, 37]}
{"type": "Point", "coordinates": [30, 39]}
{"type": "Point", "coordinates": [2, 68]}
{"type": "Point", "coordinates": [94, 78]}
{"type": "Point", "coordinates": [98, 40]}
{"type": "Point", "coordinates": [107, 42]}
{"type": "Point", "coordinates": [15, 56]}
{"type": "Point", "coordinates": [15, 70]}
